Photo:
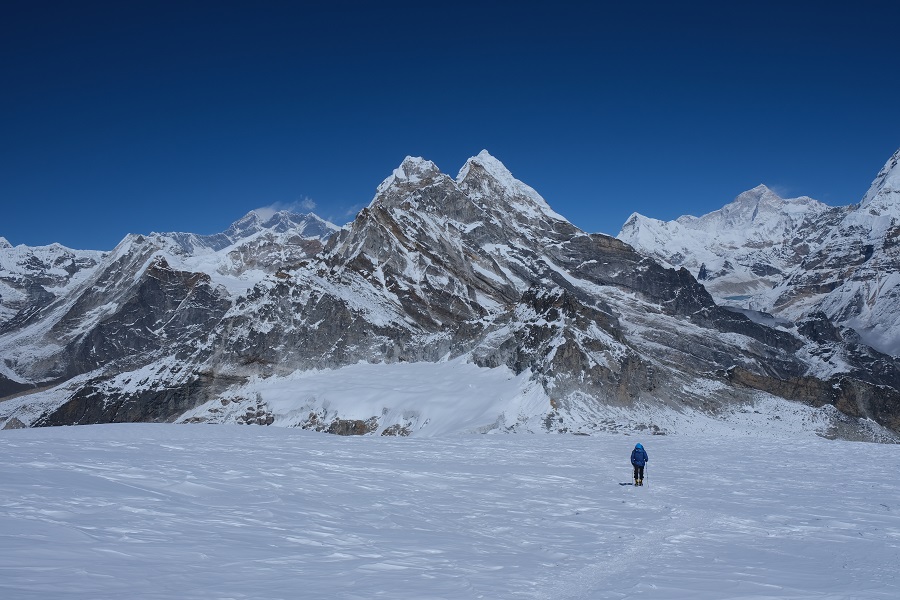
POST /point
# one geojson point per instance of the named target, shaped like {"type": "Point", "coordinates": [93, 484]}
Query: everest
{"type": "Point", "coordinates": [462, 304]}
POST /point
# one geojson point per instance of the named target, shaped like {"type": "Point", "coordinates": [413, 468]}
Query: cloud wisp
{"type": "Point", "coordinates": [303, 205]}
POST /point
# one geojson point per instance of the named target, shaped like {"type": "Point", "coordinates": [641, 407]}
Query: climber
{"type": "Point", "coordinates": [639, 458]}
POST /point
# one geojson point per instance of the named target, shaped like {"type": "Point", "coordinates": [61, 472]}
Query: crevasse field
{"type": "Point", "coordinates": [204, 511]}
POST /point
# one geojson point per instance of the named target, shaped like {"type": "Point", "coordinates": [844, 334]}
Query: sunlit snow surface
{"type": "Point", "coordinates": [202, 511]}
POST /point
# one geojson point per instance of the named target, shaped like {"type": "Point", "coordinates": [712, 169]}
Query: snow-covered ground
{"type": "Point", "coordinates": [202, 511]}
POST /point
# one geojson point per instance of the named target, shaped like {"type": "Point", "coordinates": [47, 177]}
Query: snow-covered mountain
{"type": "Point", "coordinates": [473, 278]}
{"type": "Point", "coordinates": [741, 251]}
{"type": "Point", "coordinates": [110, 311]}
{"type": "Point", "coordinates": [853, 275]}
{"type": "Point", "coordinates": [794, 258]}
{"type": "Point", "coordinates": [31, 277]}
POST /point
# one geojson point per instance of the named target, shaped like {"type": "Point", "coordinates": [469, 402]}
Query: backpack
{"type": "Point", "coordinates": [637, 457]}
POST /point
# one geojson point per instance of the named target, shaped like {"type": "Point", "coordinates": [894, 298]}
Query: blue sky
{"type": "Point", "coordinates": [131, 117]}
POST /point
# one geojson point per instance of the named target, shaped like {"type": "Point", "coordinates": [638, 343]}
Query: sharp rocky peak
{"type": "Point", "coordinates": [483, 176]}
{"type": "Point", "coordinates": [483, 185]}
{"type": "Point", "coordinates": [490, 165]}
{"type": "Point", "coordinates": [412, 172]}
{"type": "Point", "coordinates": [884, 193]}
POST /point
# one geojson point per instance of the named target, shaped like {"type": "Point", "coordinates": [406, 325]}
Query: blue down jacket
{"type": "Point", "coordinates": [639, 456]}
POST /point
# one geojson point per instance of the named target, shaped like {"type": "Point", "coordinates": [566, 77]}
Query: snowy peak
{"type": "Point", "coordinates": [413, 171]}
{"type": "Point", "coordinates": [255, 222]}
{"type": "Point", "coordinates": [875, 221]}
{"type": "Point", "coordinates": [493, 167]}
{"type": "Point", "coordinates": [757, 209]}
{"type": "Point", "coordinates": [740, 251]}
{"type": "Point", "coordinates": [308, 224]}
{"type": "Point", "coordinates": [645, 233]}
{"type": "Point", "coordinates": [794, 257]}
{"type": "Point", "coordinates": [249, 222]}
{"type": "Point", "coordinates": [755, 196]}
{"type": "Point", "coordinates": [748, 205]}
{"type": "Point", "coordinates": [884, 193]}
{"type": "Point", "coordinates": [886, 184]}
{"type": "Point", "coordinates": [484, 177]}
{"type": "Point", "coordinates": [4, 243]}
{"type": "Point", "coordinates": [483, 185]}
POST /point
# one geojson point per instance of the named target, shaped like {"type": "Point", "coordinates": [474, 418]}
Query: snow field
{"type": "Point", "coordinates": [177, 511]}
{"type": "Point", "coordinates": [432, 398]}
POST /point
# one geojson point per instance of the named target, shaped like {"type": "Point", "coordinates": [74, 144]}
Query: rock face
{"type": "Point", "coordinates": [435, 268]}
{"type": "Point", "coordinates": [794, 258]}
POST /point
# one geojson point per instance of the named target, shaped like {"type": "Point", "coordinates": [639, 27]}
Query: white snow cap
{"type": "Point", "coordinates": [490, 164]}
{"type": "Point", "coordinates": [4, 243]}
{"type": "Point", "coordinates": [498, 171]}
{"type": "Point", "coordinates": [501, 174]}
{"type": "Point", "coordinates": [410, 170]}
{"type": "Point", "coordinates": [885, 189]}
{"type": "Point", "coordinates": [415, 169]}
{"type": "Point", "coordinates": [760, 192]}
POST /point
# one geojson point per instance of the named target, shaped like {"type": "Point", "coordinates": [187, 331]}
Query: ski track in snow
{"type": "Point", "coordinates": [177, 511]}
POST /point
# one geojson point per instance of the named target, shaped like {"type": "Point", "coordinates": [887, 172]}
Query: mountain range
{"type": "Point", "coordinates": [474, 276]}
{"type": "Point", "coordinates": [794, 257]}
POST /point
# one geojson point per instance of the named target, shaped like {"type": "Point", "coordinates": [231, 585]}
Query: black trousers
{"type": "Point", "coordinates": [638, 473]}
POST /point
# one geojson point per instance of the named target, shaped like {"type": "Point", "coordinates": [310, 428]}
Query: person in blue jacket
{"type": "Point", "coordinates": [639, 458]}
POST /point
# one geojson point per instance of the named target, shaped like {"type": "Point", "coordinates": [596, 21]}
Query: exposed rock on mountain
{"type": "Point", "coordinates": [151, 297]}
{"type": "Point", "coordinates": [476, 268]}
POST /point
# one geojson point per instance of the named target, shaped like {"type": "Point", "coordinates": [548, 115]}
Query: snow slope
{"type": "Point", "coordinates": [174, 511]}
{"type": "Point", "coordinates": [427, 399]}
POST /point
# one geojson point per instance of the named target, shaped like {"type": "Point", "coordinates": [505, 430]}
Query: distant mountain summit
{"type": "Point", "coordinates": [474, 271]}
{"type": "Point", "coordinates": [31, 277]}
{"type": "Point", "coordinates": [67, 312]}
{"type": "Point", "coordinates": [741, 251]}
{"type": "Point", "coordinates": [253, 224]}
{"type": "Point", "coordinates": [794, 258]}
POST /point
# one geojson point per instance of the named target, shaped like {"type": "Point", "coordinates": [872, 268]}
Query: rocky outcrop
{"type": "Point", "coordinates": [14, 423]}
{"type": "Point", "coordinates": [103, 401]}
{"type": "Point", "coordinates": [853, 397]}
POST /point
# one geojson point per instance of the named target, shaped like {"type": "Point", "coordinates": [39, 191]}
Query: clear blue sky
{"type": "Point", "coordinates": [133, 116]}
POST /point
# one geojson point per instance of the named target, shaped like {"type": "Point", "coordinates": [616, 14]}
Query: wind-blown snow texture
{"type": "Point", "coordinates": [194, 512]}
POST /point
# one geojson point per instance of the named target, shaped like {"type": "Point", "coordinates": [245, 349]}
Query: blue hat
{"type": "Point", "coordinates": [639, 446]}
